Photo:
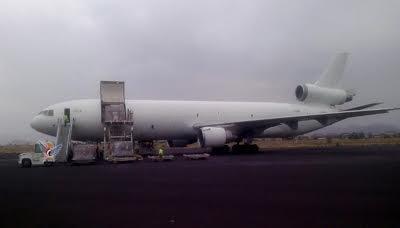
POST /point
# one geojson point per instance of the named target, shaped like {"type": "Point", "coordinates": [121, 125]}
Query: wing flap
{"type": "Point", "coordinates": [364, 106]}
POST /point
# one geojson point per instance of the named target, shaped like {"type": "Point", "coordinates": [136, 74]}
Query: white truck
{"type": "Point", "coordinates": [43, 155]}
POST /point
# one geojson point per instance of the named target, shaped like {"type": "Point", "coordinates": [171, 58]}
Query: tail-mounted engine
{"type": "Point", "coordinates": [311, 93]}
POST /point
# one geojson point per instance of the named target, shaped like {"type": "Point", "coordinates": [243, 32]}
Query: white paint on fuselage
{"type": "Point", "coordinates": [161, 120]}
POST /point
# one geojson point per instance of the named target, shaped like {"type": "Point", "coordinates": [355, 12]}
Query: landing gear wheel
{"type": "Point", "coordinates": [245, 148]}
{"type": "Point", "coordinates": [26, 163]}
{"type": "Point", "coordinates": [221, 150]}
{"type": "Point", "coordinates": [254, 148]}
{"type": "Point", "coordinates": [236, 148]}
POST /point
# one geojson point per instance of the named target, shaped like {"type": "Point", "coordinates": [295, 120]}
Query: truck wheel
{"type": "Point", "coordinates": [47, 164]}
{"type": "Point", "coordinates": [26, 163]}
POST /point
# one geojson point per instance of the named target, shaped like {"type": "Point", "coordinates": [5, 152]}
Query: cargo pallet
{"type": "Point", "coordinates": [196, 156]}
{"type": "Point", "coordinates": [157, 158]}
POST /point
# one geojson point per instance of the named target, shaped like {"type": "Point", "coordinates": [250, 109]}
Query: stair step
{"type": "Point", "coordinates": [119, 137]}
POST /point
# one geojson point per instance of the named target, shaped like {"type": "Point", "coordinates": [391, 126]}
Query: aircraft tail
{"type": "Point", "coordinates": [334, 72]}
{"type": "Point", "coordinates": [327, 90]}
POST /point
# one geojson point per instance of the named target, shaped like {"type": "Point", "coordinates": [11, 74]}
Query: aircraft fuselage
{"type": "Point", "coordinates": [168, 120]}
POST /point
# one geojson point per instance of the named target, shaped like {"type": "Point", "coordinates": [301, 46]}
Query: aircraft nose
{"type": "Point", "coordinates": [35, 123]}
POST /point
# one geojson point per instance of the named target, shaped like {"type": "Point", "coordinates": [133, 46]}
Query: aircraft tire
{"type": "Point", "coordinates": [26, 163]}
{"type": "Point", "coordinates": [254, 148]}
{"type": "Point", "coordinates": [222, 149]}
{"type": "Point", "coordinates": [245, 148]}
{"type": "Point", "coordinates": [237, 148]}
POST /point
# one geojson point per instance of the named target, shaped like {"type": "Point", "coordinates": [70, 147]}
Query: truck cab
{"type": "Point", "coordinates": [40, 157]}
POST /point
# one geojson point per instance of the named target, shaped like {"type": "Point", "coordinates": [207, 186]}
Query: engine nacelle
{"type": "Point", "coordinates": [214, 136]}
{"type": "Point", "coordinates": [310, 93]}
{"type": "Point", "coordinates": [180, 142]}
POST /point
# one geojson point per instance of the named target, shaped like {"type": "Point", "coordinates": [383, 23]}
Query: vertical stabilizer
{"type": "Point", "coordinates": [333, 74]}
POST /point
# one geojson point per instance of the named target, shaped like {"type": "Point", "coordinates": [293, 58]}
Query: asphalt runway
{"type": "Point", "coordinates": [353, 187]}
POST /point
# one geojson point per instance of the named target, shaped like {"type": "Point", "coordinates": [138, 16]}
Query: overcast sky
{"type": "Point", "coordinates": [250, 50]}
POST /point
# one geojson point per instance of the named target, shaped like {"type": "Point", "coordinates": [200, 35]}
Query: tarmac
{"type": "Point", "coordinates": [337, 187]}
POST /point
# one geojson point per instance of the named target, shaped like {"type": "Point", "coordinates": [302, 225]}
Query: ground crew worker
{"type": "Point", "coordinates": [66, 120]}
{"type": "Point", "coordinates": [161, 153]}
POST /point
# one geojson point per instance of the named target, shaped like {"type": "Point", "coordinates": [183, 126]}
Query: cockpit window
{"type": "Point", "coordinates": [47, 113]}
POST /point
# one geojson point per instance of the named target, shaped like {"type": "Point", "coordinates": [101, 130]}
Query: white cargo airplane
{"type": "Point", "coordinates": [214, 124]}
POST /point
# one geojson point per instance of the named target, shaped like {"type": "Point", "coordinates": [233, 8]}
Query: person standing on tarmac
{"type": "Point", "coordinates": [161, 152]}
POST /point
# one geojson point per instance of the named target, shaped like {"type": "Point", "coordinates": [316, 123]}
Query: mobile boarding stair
{"type": "Point", "coordinates": [119, 145]}
{"type": "Point", "coordinates": [64, 133]}
{"type": "Point", "coordinates": [73, 152]}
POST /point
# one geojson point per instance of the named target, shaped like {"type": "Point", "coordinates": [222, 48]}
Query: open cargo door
{"type": "Point", "coordinates": [112, 95]}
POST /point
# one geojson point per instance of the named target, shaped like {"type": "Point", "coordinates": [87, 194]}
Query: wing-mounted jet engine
{"type": "Point", "coordinates": [325, 90]}
{"type": "Point", "coordinates": [215, 136]}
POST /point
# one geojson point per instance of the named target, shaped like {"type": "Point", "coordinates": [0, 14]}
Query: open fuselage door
{"type": "Point", "coordinates": [112, 95]}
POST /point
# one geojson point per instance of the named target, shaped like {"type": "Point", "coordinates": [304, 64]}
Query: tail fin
{"type": "Point", "coordinates": [333, 74]}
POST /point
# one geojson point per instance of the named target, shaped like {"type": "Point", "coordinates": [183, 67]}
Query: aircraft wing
{"type": "Point", "coordinates": [293, 120]}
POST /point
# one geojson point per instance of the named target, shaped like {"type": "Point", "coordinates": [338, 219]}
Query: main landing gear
{"type": "Point", "coordinates": [221, 150]}
{"type": "Point", "coordinates": [236, 149]}
{"type": "Point", "coordinates": [245, 148]}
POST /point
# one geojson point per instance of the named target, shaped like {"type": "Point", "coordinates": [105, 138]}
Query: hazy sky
{"type": "Point", "coordinates": [250, 50]}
